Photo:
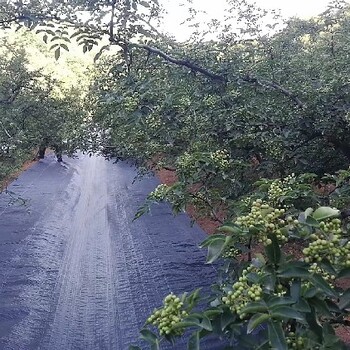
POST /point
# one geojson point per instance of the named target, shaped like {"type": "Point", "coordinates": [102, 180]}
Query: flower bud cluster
{"type": "Point", "coordinates": [328, 244]}
{"type": "Point", "coordinates": [221, 159]}
{"type": "Point", "coordinates": [280, 290]}
{"type": "Point", "coordinates": [242, 294]}
{"type": "Point", "coordinates": [295, 342]}
{"type": "Point", "coordinates": [210, 101]}
{"type": "Point", "coordinates": [168, 316]}
{"type": "Point", "coordinates": [201, 196]}
{"type": "Point", "coordinates": [279, 188]}
{"type": "Point", "coordinates": [159, 193]}
{"type": "Point", "coordinates": [130, 104]}
{"type": "Point", "coordinates": [185, 161]}
{"type": "Point", "coordinates": [184, 102]}
{"type": "Point", "coordinates": [231, 253]}
{"type": "Point", "coordinates": [267, 220]}
{"type": "Point", "coordinates": [153, 122]}
{"type": "Point", "coordinates": [316, 269]}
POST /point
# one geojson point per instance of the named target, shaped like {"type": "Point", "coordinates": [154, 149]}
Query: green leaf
{"type": "Point", "coordinates": [320, 306]}
{"type": "Point", "coordinates": [206, 324]}
{"type": "Point", "coordinates": [227, 318]}
{"type": "Point", "coordinates": [133, 347]}
{"type": "Point", "coordinates": [230, 229]}
{"type": "Point", "coordinates": [198, 320]}
{"type": "Point", "coordinates": [314, 325]}
{"type": "Point", "coordinates": [186, 324]}
{"type": "Point", "coordinates": [213, 312]}
{"type": "Point", "coordinates": [256, 320]}
{"type": "Point", "coordinates": [193, 298]}
{"type": "Point", "coordinates": [53, 46]}
{"type": "Point", "coordinates": [320, 283]}
{"type": "Point", "coordinates": [193, 342]}
{"type": "Point", "coordinates": [295, 272]}
{"type": "Point", "coordinates": [273, 250]}
{"type": "Point", "coordinates": [276, 336]}
{"type": "Point", "coordinates": [102, 49]}
{"type": "Point", "coordinates": [328, 329]}
{"type": "Point", "coordinates": [295, 289]}
{"type": "Point", "coordinates": [344, 273]}
{"type": "Point", "coordinates": [286, 312]}
{"type": "Point", "coordinates": [259, 260]}
{"type": "Point", "coordinates": [49, 31]}
{"type": "Point", "coordinates": [312, 222]}
{"type": "Point", "coordinates": [147, 335]}
{"type": "Point", "coordinates": [328, 267]}
{"type": "Point", "coordinates": [64, 46]}
{"type": "Point", "coordinates": [79, 31]}
{"type": "Point", "coordinates": [253, 277]}
{"type": "Point", "coordinates": [57, 53]}
{"type": "Point", "coordinates": [323, 213]}
{"type": "Point", "coordinates": [302, 305]}
{"type": "Point", "coordinates": [155, 346]}
{"type": "Point", "coordinates": [333, 342]}
{"type": "Point", "coordinates": [344, 300]}
{"type": "Point", "coordinates": [278, 301]}
{"type": "Point", "coordinates": [55, 38]}
{"type": "Point", "coordinates": [308, 212]}
{"type": "Point", "coordinates": [332, 306]}
{"type": "Point", "coordinates": [144, 3]}
{"type": "Point", "coordinates": [252, 308]}
{"type": "Point", "coordinates": [269, 282]}
{"type": "Point", "coordinates": [210, 239]}
{"type": "Point", "coordinates": [216, 247]}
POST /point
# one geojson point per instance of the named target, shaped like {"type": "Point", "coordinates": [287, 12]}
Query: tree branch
{"type": "Point", "coordinates": [180, 62]}
{"type": "Point", "coordinates": [211, 207]}
{"type": "Point", "coordinates": [275, 86]}
{"type": "Point", "coordinates": [12, 97]}
{"type": "Point", "coordinates": [6, 132]}
{"type": "Point", "coordinates": [248, 79]}
{"type": "Point", "coordinates": [111, 23]}
{"type": "Point", "coordinates": [343, 322]}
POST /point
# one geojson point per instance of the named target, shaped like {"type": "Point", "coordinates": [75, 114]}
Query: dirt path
{"type": "Point", "coordinates": [75, 272]}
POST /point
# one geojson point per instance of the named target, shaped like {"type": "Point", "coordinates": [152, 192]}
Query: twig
{"type": "Point", "coordinates": [212, 210]}
{"type": "Point", "coordinates": [275, 86]}
{"type": "Point", "coordinates": [6, 132]}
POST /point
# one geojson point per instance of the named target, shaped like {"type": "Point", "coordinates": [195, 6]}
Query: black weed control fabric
{"type": "Point", "coordinates": [75, 271]}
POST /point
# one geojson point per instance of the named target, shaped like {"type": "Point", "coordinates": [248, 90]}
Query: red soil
{"type": "Point", "coordinates": [26, 165]}
{"type": "Point", "coordinates": [208, 225]}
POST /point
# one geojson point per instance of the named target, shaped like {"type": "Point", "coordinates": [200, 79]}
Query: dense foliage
{"type": "Point", "coordinates": [280, 284]}
{"type": "Point", "coordinates": [36, 109]}
{"type": "Point", "coordinates": [280, 107]}
{"type": "Point", "coordinates": [251, 123]}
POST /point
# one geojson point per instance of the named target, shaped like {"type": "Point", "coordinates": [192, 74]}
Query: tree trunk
{"type": "Point", "coordinates": [41, 152]}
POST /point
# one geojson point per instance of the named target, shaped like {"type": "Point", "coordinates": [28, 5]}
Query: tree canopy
{"type": "Point", "coordinates": [38, 104]}
{"type": "Point", "coordinates": [255, 124]}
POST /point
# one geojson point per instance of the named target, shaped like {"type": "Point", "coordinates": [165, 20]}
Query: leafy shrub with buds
{"type": "Point", "coordinates": [268, 298]}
